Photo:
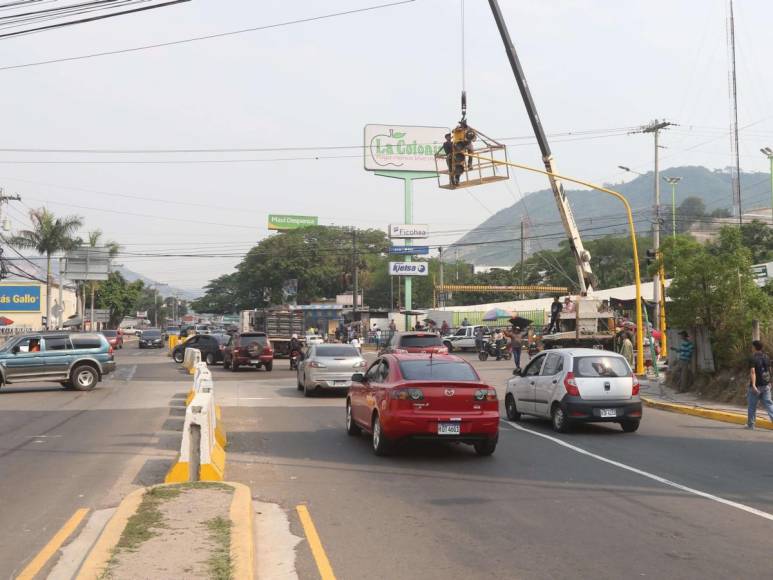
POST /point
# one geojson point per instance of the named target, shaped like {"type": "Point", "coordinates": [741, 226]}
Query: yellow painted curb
{"type": "Point", "coordinates": [99, 556]}
{"type": "Point", "coordinates": [242, 544]}
{"type": "Point", "coordinates": [190, 396]}
{"type": "Point", "coordinates": [716, 415]}
{"type": "Point", "coordinates": [220, 435]}
{"type": "Point", "coordinates": [214, 471]}
{"type": "Point", "coordinates": [178, 473]}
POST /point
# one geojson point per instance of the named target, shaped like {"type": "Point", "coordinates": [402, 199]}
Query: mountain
{"type": "Point", "coordinates": [163, 289]}
{"type": "Point", "coordinates": [598, 214]}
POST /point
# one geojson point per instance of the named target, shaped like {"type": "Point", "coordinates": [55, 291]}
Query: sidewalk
{"type": "Point", "coordinates": [655, 393]}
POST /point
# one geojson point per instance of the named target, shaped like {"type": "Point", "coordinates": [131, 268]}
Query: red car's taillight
{"type": "Point", "coordinates": [571, 385]}
{"type": "Point", "coordinates": [110, 350]}
{"type": "Point", "coordinates": [407, 394]}
{"type": "Point", "coordinates": [268, 350]}
{"type": "Point", "coordinates": [485, 394]}
{"type": "Point", "coordinates": [635, 390]}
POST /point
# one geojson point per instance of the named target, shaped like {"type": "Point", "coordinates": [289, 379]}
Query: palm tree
{"type": "Point", "coordinates": [112, 250]}
{"type": "Point", "coordinates": [49, 235]}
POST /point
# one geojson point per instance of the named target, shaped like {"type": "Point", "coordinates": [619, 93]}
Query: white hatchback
{"type": "Point", "coordinates": [570, 385]}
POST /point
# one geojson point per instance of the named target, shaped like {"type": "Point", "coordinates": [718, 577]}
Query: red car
{"type": "Point", "coordinates": [414, 342]}
{"type": "Point", "coordinates": [423, 396]}
{"type": "Point", "coordinates": [248, 349]}
{"type": "Point", "coordinates": [114, 337]}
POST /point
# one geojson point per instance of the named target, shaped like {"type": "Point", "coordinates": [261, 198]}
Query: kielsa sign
{"type": "Point", "coordinates": [762, 273]}
{"type": "Point", "coordinates": [402, 147]}
{"type": "Point", "coordinates": [19, 298]}
{"type": "Point", "coordinates": [290, 222]}
{"type": "Point", "coordinates": [408, 269]}
{"type": "Point", "coordinates": [403, 231]}
{"type": "Point", "coordinates": [409, 250]}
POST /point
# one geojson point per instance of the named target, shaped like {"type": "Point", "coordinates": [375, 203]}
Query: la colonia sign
{"type": "Point", "coordinates": [402, 147]}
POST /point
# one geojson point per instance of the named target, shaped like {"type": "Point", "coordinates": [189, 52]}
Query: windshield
{"type": "Point", "coordinates": [420, 340]}
{"type": "Point", "coordinates": [337, 351]}
{"type": "Point", "coordinates": [151, 333]}
{"type": "Point", "coordinates": [429, 370]}
{"type": "Point", "coordinates": [601, 366]}
{"type": "Point", "coordinates": [9, 343]}
{"type": "Point", "coordinates": [222, 338]}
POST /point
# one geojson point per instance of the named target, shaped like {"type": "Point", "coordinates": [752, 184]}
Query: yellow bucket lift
{"type": "Point", "coordinates": [458, 170]}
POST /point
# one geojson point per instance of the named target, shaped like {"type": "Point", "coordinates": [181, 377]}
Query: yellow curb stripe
{"type": "Point", "coordinates": [242, 534]}
{"type": "Point", "coordinates": [724, 416]}
{"type": "Point", "coordinates": [37, 563]}
{"type": "Point", "coordinates": [320, 557]}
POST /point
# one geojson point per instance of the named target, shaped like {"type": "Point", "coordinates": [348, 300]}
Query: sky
{"type": "Point", "coordinates": [596, 68]}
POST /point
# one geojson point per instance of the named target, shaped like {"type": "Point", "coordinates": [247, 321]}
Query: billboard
{"type": "Point", "coordinates": [19, 298]}
{"type": "Point", "coordinates": [402, 147]}
{"type": "Point", "coordinates": [87, 264]}
{"type": "Point", "coordinates": [398, 231]}
{"type": "Point", "coordinates": [409, 250]}
{"type": "Point", "coordinates": [291, 222]}
{"type": "Point", "coordinates": [408, 269]}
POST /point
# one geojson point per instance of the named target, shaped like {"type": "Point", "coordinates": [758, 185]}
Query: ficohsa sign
{"type": "Point", "coordinates": [402, 147]}
{"type": "Point", "coordinates": [408, 269]}
{"type": "Point", "coordinates": [402, 231]}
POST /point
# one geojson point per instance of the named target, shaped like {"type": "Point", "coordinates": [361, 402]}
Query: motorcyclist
{"type": "Point", "coordinates": [295, 350]}
{"type": "Point", "coordinates": [499, 342]}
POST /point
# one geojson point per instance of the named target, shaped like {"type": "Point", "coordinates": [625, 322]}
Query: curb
{"type": "Point", "coordinates": [242, 544]}
{"type": "Point", "coordinates": [716, 415]}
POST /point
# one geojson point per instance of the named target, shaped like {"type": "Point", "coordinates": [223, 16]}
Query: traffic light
{"type": "Point", "coordinates": [651, 256]}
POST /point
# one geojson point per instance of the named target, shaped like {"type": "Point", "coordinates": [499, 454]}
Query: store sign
{"type": "Point", "coordinates": [402, 147]}
{"type": "Point", "coordinates": [19, 298]}
{"type": "Point", "coordinates": [291, 222]}
{"type": "Point", "coordinates": [408, 269]}
{"type": "Point", "coordinates": [409, 250]}
{"type": "Point", "coordinates": [142, 314]}
{"type": "Point", "coordinates": [403, 231]}
{"type": "Point", "coordinates": [762, 273]}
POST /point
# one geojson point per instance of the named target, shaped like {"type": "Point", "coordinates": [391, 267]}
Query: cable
{"type": "Point", "coordinates": [205, 37]}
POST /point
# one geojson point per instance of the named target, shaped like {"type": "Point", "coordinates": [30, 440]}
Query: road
{"type": "Point", "coordinates": [593, 503]}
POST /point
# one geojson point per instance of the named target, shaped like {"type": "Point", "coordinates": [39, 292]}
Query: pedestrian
{"type": "Point", "coordinates": [626, 348]}
{"type": "Point", "coordinates": [478, 333]}
{"type": "Point", "coordinates": [516, 344]}
{"type": "Point", "coordinates": [759, 385]}
{"type": "Point", "coordinates": [683, 368]}
{"type": "Point", "coordinates": [465, 322]}
{"type": "Point", "coordinates": [555, 314]}
{"type": "Point", "coordinates": [377, 335]}
{"type": "Point", "coordinates": [355, 342]}
{"type": "Point", "coordinates": [444, 329]}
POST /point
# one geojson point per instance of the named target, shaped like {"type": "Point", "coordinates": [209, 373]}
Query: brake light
{"type": "Point", "coordinates": [267, 350]}
{"type": "Point", "coordinates": [570, 384]}
{"type": "Point", "coordinates": [110, 350]}
{"type": "Point", "coordinates": [635, 389]}
{"type": "Point", "coordinates": [360, 365]}
{"type": "Point", "coordinates": [485, 394]}
{"type": "Point", "coordinates": [407, 394]}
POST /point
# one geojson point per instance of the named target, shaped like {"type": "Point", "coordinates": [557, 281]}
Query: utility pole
{"type": "Point", "coordinates": [442, 289]}
{"type": "Point", "coordinates": [673, 181]}
{"type": "Point", "coordinates": [523, 253]}
{"type": "Point", "coordinates": [355, 281]}
{"type": "Point", "coordinates": [655, 127]}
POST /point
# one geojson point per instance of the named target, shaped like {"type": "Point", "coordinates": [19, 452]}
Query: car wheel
{"type": "Point", "coordinates": [380, 442]}
{"type": "Point", "coordinates": [178, 357]}
{"type": "Point", "coordinates": [629, 426]}
{"type": "Point", "coordinates": [307, 392]}
{"type": "Point", "coordinates": [300, 382]}
{"type": "Point", "coordinates": [269, 366]}
{"type": "Point", "coordinates": [511, 409]}
{"type": "Point", "coordinates": [351, 427]}
{"type": "Point", "coordinates": [226, 364]}
{"type": "Point", "coordinates": [482, 355]}
{"type": "Point", "coordinates": [560, 422]}
{"type": "Point", "coordinates": [84, 378]}
{"type": "Point", "coordinates": [486, 447]}
{"type": "Point", "coordinates": [66, 384]}
{"type": "Point", "coordinates": [210, 359]}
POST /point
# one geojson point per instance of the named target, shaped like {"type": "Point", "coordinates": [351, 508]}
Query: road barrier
{"type": "Point", "coordinates": [172, 342]}
{"type": "Point", "coordinates": [192, 358]}
{"type": "Point", "coordinates": [202, 458]}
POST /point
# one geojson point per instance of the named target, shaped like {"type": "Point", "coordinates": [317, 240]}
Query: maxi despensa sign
{"type": "Point", "coordinates": [402, 147]}
{"type": "Point", "coordinates": [291, 222]}
{"type": "Point", "coordinates": [408, 269]}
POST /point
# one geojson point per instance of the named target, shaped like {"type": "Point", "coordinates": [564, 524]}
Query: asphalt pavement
{"type": "Point", "coordinates": [683, 497]}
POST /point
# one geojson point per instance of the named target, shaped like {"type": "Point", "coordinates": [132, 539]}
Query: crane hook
{"type": "Point", "coordinates": [464, 106]}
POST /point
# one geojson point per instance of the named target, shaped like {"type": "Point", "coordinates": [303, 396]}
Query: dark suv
{"type": "Point", "coordinates": [249, 349]}
{"type": "Point", "coordinates": [415, 342]}
{"type": "Point", "coordinates": [77, 361]}
{"type": "Point", "coordinates": [210, 345]}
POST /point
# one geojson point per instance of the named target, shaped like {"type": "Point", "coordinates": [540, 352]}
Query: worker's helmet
{"type": "Point", "coordinates": [295, 336]}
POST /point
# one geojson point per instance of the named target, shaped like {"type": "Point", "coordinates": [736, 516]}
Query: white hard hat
{"type": "Point", "coordinates": [294, 336]}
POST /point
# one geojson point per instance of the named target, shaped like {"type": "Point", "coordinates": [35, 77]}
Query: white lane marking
{"type": "Point", "coordinates": [663, 480]}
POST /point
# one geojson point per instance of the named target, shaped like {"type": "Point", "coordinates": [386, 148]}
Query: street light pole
{"type": "Point", "coordinates": [673, 181]}
{"type": "Point", "coordinates": [768, 152]}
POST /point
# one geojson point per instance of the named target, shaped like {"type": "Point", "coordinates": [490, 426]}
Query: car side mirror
{"type": "Point", "coordinates": [358, 378]}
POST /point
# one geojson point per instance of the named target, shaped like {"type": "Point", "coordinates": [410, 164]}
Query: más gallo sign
{"type": "Point", "coordinates": [402, 148]}
{"type": "Point", "coordinates": [408, 269]}
{"type": "Point", "coordinates": [19, 298]}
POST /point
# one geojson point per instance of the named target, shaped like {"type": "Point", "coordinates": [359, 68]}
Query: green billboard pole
{"type": "Point", "coordinates": [408, 177]}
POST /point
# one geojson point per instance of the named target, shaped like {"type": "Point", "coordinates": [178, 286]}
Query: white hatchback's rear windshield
{"type": "Point", "coordinates": [601, 366]}
{"type": "Point", "coordinates": [428, 370]}
{"type": "Point", "coordinates": [333, 350]}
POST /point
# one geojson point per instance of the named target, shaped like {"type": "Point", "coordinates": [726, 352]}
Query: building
{"type": "Point", "coordinates": [23, 304]}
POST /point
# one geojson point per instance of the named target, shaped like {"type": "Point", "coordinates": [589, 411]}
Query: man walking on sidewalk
{"type": "Point", "coordinates": [759, 386]}
{"type": "Point", "coordinates": [683, 370]}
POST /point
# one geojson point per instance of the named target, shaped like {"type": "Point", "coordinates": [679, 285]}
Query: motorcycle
{"type": "Point", "coordinates": [295, 356]}
{"type": "Point", "coordinates": [491, 348]}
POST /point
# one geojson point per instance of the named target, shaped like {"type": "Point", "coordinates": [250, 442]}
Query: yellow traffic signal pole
{"type": "Point", "coordinates": [636, 274]}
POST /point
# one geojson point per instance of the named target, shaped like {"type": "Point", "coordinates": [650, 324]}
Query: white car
{"type": "Point", "coordinates": [572, 385]}
{"type": "Point", "coordinates": [329, 367]}
{"type": "Point", "coordinates": [312, 339]}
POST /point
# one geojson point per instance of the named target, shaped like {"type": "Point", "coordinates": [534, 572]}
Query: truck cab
{"type": "Point", "coordinates": [464, 338]}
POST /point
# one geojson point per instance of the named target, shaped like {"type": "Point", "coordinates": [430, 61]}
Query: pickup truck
{"type": "Point", "coordinates": [464, 338]}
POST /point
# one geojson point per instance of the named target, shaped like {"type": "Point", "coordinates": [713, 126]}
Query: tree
{"type": "Point", "coordinates": [757, 237]}
{"type": "Point", "coordinates": [688, 212]}
{"type": "Point", "coordinates": [119, 296]}
{"type": "Point", "coordinates": [49, 235]}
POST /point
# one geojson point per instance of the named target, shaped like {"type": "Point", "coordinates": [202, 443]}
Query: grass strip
{"type": "Point", "coordinates": [220, 565]}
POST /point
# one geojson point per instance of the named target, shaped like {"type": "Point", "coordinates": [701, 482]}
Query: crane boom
{"type": "Point", "coordinates": [581, 256]}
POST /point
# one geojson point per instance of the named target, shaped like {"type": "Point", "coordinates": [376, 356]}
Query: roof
{"type": "Point", "coordinates": [426, 356]}
{"type": "Point", "coordinates": [585, 352]}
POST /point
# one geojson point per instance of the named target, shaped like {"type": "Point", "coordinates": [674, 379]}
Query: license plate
{"type": "Point", "coordinates": [339, 383]}
{"type": "Point", "coordinates": [254, 362]}
{"type": "Point", "coordinates": [449, 428]}
{"type": "Point", "coordinates": [607, 413]}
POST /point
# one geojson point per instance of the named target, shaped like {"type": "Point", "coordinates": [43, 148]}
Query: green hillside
{"type": "Point", "coordinates": [598, 214]}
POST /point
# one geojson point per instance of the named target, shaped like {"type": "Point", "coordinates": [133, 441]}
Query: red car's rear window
{"type": "Point", "coordinates": [420, 340]}
{"type": "Point", "coordinates": [429, 370]}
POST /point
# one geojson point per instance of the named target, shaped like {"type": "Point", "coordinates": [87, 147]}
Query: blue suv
{"type": "Point", "coordinates": [75, 360]}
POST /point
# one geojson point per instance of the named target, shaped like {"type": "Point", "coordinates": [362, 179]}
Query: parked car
{"type": "Point", "coordinates": [576, 385]}
{"type": "Point", "coordinates": [114, 337]}
{"type": "Point", "coordinates": [75, 360]}
{"type": "Point", "coordinates": [202, 329]}
{"type": "Point", "coordinates": [249, 349]}
{"type": "Point", "coordinates": [464, 338]}
{"type": "Point", "coordinates": [151, 338]}
{"type": "Point", "coordinates": [132, 330]}
{"type": "Point", "coordinates": [328, 366]}
{"type": "Point", "coordinates": [423, 396]}
{"type": "Point", "coordinates": [211, 346]}
{"type": "Point", "coordinates": [314, 339]}
{"type": "Point", "coordinates": [415, 342]}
